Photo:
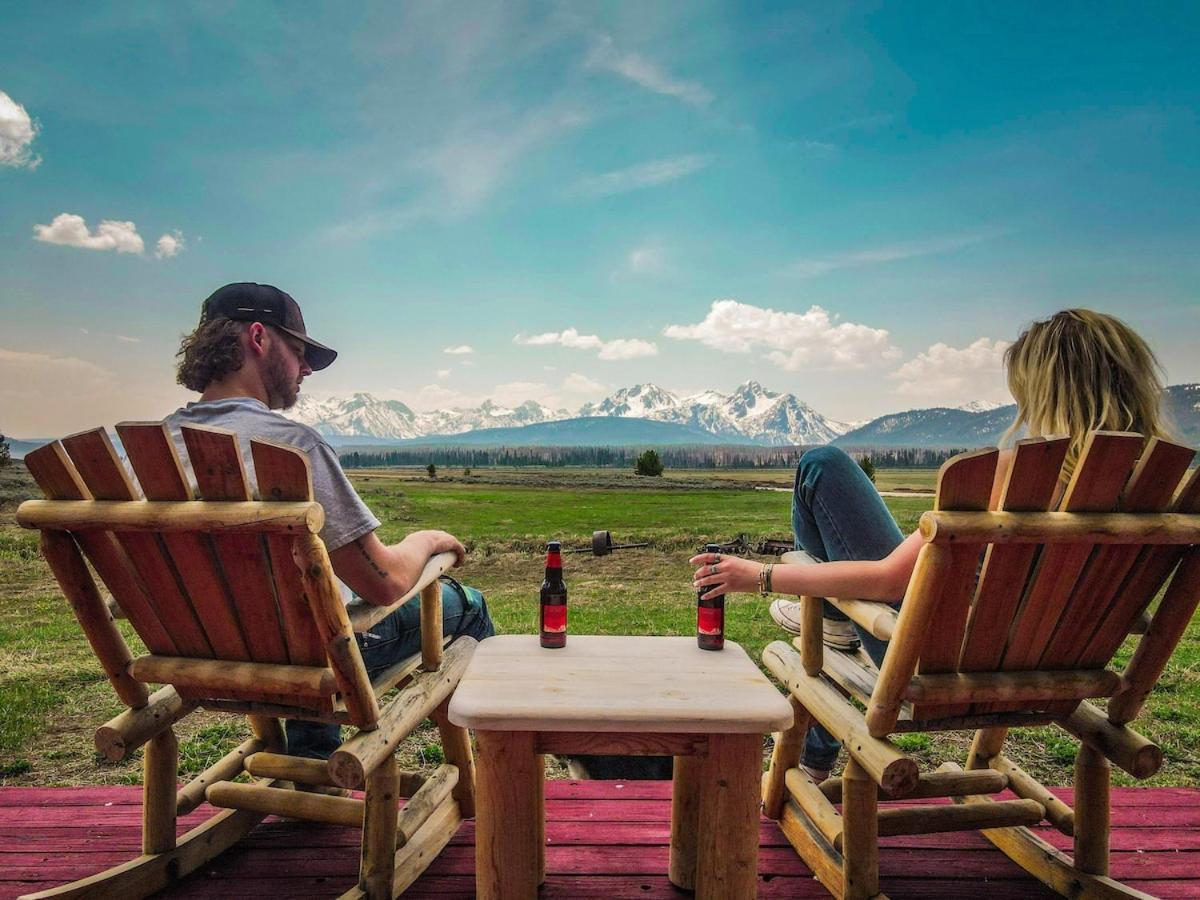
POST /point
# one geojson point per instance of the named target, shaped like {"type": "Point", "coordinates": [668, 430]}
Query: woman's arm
{"type": "Point", "coordinates": [884, 580]}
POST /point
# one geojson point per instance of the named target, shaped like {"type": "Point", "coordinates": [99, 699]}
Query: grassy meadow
{"type": "Point", "coordinates": [52, 694]}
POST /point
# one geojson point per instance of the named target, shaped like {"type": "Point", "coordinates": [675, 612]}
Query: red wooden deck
{"type": "Point", "coordinates": [606, 839]}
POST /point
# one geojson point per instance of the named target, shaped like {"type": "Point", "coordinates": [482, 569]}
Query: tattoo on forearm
{"type": "Point", "coordinates": [362, 548]}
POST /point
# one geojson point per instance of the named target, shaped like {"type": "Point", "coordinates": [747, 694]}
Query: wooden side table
{"type": "Point", "coordinates": [625, 695]}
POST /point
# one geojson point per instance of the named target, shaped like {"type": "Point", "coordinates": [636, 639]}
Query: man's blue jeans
{"type": "Point", "coordinates": [464, 613]}
{"type": "Point", "coordinates": [838, 514]}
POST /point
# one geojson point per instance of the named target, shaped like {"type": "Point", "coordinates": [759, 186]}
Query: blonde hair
{"type": "Point", "coordinates": [1081, 370]}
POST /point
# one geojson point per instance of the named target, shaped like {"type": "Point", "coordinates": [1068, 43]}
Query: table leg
{"type": "Point", "coordinates": [727, 858]}
{"type": "Point", "coordinates": [508, 816]}
{"type": "Point", "coordinates": [685, 810]}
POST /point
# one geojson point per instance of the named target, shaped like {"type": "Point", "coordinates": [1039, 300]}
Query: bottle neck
{"type": "Point", "coordinates": [553, 561]}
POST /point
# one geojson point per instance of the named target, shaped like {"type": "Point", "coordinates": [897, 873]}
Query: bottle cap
{"type": "Point", "coordinates": [554, 546]}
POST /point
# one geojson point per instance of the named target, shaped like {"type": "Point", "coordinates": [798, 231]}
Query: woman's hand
{"type": "Point", "coordinates": [723, 574]}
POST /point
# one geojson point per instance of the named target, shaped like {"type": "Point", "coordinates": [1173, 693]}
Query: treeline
{"type": "Point", "coordinates": [682, 457]}
{"type": "Point", "coordinates": [905, 457]}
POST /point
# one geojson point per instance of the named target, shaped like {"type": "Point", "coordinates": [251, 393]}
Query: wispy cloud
{"type": "Point", "coordinates": [643, 175]}
{"type": "Point", "coordinates": [952, 376]}
{"type": "Point", "coordinates": [17, 132]}
{"type": "Point", "coordinates": [862, 123]}
{"type": "Point", "coordinates": [647, 260]}
{"type": "Point", "coordinates": [459, 350]}
{"type": "Point", "coordinates": [793, 341]}
{"type": "Point", "coordinates": [813, 266]}
{"type": "Point", "coordinates": [614, 350]}
{"type": "Point", "coordinates": [605, 55]}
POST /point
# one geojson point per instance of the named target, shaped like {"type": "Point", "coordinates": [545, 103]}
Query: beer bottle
{"type": "Point", "coordinates": [554, 599]}
{"type": "Point", "coordinates": [710, 615]}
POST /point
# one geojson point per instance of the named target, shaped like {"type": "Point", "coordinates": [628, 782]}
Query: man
{"type": "Point", "coordinates": [247, 358]}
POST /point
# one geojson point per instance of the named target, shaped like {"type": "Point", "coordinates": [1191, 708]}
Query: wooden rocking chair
{"type": "Point", "coordinates": [1027, 642]}
{"type": "Point", "coordinates": [238, 605]}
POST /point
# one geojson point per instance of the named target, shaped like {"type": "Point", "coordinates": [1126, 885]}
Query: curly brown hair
{"type": "Point", "coordinates": [209, 353]}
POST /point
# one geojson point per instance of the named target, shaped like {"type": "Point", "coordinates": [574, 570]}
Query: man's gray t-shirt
{"type": "Point", "coordinates": [346, 516]}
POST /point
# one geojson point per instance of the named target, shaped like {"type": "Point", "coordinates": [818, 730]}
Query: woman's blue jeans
{"type": "Point", "coordinates": [464, 613]}
{"type": "Point", "coordinates": [838, 514]}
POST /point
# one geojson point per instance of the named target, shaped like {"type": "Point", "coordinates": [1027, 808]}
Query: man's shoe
{"type": "Point", "coordinates": [838, 634]}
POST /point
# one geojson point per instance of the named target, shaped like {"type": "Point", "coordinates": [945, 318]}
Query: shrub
{"type": "Point", "coordinates": [868, 467]}
{"type": "Point", "coordinates": [649, 464]}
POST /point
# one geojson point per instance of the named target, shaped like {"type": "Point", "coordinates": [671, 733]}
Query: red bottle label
{"type": "Point", "coordinates": [710, 620]}
{"type": "Point", "coordinates": [554, 618]}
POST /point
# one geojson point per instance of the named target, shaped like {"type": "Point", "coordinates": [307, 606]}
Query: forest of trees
{"type": "Point", "coordinates": [681, 457]}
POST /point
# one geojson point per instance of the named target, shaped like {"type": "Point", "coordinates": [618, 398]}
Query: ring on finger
{"type": "Point", "coordinates": [717, 557]}
{"type": "Point", "coordinates": [712, 570]}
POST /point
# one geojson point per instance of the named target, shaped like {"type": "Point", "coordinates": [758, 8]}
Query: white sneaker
{"type": "Point", "coordinates": [838, 634]}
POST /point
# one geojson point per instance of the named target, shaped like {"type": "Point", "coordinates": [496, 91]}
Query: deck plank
{"type": "Point", "coordinates": [605, 839]}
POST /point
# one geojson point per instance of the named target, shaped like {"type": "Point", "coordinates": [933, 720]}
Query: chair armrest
{"type": "Point", "coordinates": [363, 614]}
{"type": "Point", "coordinates": [877, 618]}
{"type": "Point", "coordinates": [352, 762]}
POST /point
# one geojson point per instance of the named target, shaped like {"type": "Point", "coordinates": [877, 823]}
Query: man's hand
{"type": "Point", "coordinates": [382, 574]}
{"type": "Point", "coordinates": [441, 542]}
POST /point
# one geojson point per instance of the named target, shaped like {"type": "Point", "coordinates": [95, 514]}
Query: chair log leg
{"type": "Point", "coordinates": [1093, 774]}
{"type": "Point", "coordinates": [160, 769]}
{"type": "Point", "coordinates": [270, 731]}
{"type": "Point", "coordinates": [988, 742]}
{"type": "Point", "coordinates": [379, 831]}
{"type": "Point", "coordinates": [789, 745]}
{"type": "Point", "coordinates": [860, 833]}
{"type": "Point", "coordinates": [456, 745]}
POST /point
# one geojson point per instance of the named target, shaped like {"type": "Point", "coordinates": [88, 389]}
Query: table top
{"type": "Point", "coordinates": [600, 683]}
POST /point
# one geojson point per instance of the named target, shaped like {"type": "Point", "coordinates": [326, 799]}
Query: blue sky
{"type": "Point", "coordinates": [857, 204]}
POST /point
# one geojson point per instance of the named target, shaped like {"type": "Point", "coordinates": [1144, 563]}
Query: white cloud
{"type": "Point", "coordinates": [644, 72]}
{"type": "Point", "coordinates": [793, 341]}
{"type": "Point", "coordinates": [614, 350]}
{"type": "Point", "coordinates": [443, 374]}
{"type": "Point", "coordinates": [71, 230]}
{"type": "Point", "coordinates": [17, 131]}
{"type": "Point", "coordinates": [643, 175]}
{"type": "Point", "coordinates": [951, 376]}
{"type": "Point", "coordinates": [459, 350]}
{"type": "Point", "coordinates": [581, 384]}
{"type": "Point", "coordinates": [811, 267]}
{"type": "Point", "coordinates": [169, 245]}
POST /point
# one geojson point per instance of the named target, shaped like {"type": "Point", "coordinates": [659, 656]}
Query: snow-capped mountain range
{"type": "Point", "coordinates": [751, 414]}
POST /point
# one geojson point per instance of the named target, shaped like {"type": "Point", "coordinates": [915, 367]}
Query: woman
{"type": "Point", "coordinates": [1075, 372]}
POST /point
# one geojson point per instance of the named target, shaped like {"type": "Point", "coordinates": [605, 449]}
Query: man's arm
{"type": "Point", "coordinates": [382, 573]}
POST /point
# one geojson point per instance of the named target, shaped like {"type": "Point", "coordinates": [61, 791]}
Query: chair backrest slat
{"type": "Point", "coordinates": [220, 475]}
{"type": "Point", "coordinates": [1095, 486]}
{"type": "Point", "coordinates": [283, 474]}
{"type": "Point", "coordinates": [963, 484]}
{"type": "Point", "coordinates": [1030, 486]}
{"type": "Point", "coordinates": [1150, 489]}
{"type": "Point", "coordinates": [56, 475]}
{"type": "Point", "coordinates": [105, 476]}
{"type": "Point", "coordinates": [151, 454]}
{"type": "Point", "coordinates": [1146, 576]}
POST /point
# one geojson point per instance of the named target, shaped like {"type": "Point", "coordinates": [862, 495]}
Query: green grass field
{"type": "Point", "coordinates": [52, 694]}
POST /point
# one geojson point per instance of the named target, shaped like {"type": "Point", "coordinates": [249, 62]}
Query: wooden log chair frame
{"type": "Point", "coordinates": [239, 608]}
{"type": "Point", "coordinates": [1011, 618]}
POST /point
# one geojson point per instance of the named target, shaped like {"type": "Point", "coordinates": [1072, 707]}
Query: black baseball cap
{"type": "Point", "coordinates": [245, 301]}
